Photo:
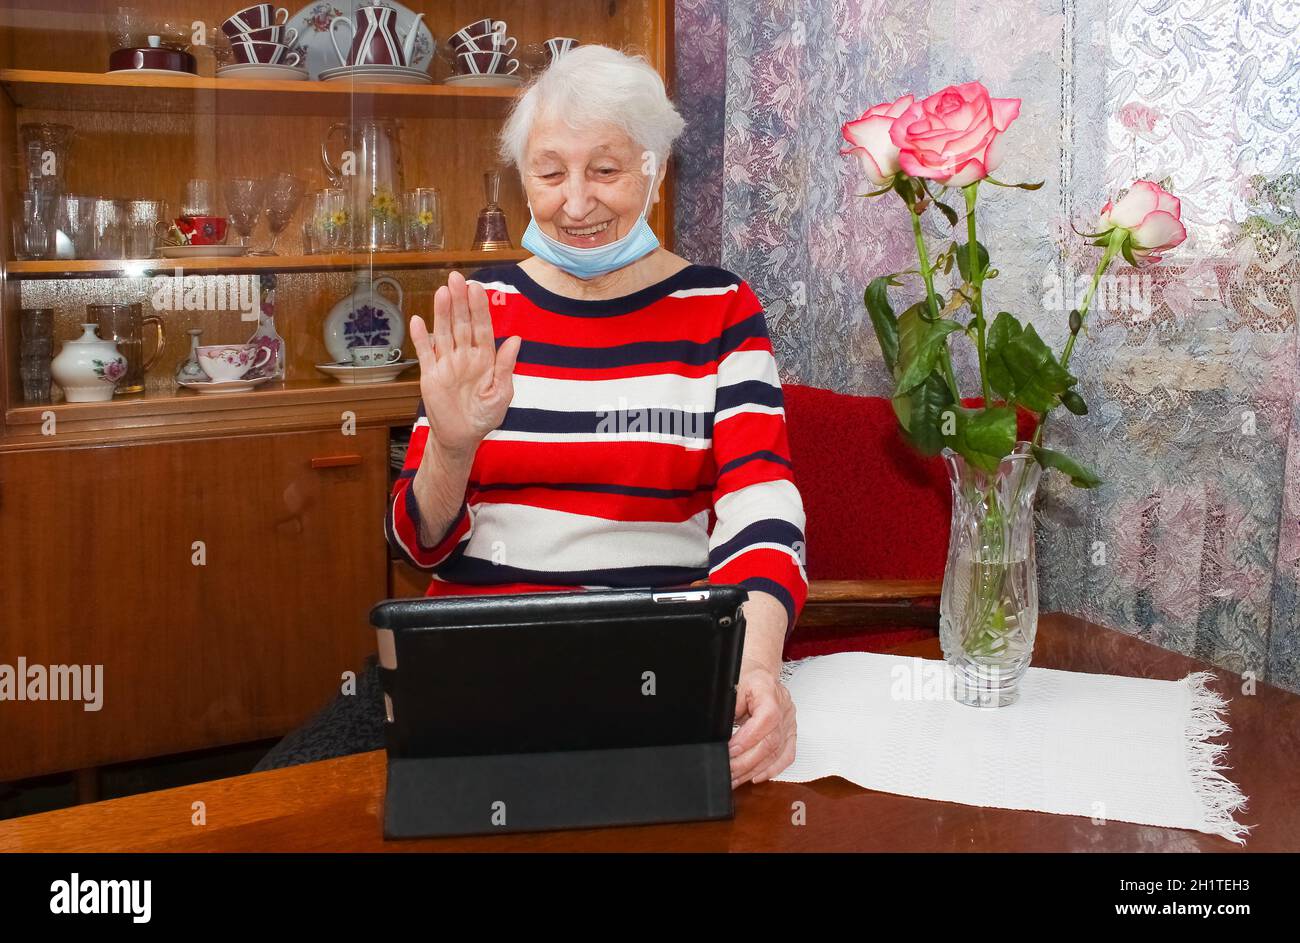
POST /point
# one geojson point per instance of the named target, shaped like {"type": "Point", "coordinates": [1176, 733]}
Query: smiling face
{"type": "Point", "coordinates": [586, 188]}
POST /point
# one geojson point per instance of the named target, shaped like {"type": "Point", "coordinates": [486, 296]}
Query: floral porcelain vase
{"type": "Point", "coordinates": [88, 368]}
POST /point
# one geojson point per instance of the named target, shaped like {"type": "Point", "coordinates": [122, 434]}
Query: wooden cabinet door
{"type": "Point", "coordinates": [223, 584]}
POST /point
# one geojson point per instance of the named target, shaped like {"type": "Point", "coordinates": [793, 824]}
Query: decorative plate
{"type": "Point", "coordinates": [393, 74]}
{"type": "Point", "coordinates": [380, 373]}
{"type": "Point", "coordinates": [199, 252]}
{"type": "Point", "coordinates": [257, 70]}
{"type": "Point", "coordinates": [222, 386]}
{"type": "Point", "coordinates": [485, 81]}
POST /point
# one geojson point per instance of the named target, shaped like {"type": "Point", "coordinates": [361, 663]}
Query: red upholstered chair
{"type": "Point", "coordinates": [877, 523]}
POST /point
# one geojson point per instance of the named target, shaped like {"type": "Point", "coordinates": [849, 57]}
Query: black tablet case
{"type": "Point", "coordinates": [526, 712]}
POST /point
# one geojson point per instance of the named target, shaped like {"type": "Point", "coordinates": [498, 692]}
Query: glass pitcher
{"type": "Point", "coordinates": [369, 169]}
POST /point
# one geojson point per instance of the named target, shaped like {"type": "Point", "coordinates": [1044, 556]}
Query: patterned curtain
{"type": "Point", "coordinates": [1189, 369]}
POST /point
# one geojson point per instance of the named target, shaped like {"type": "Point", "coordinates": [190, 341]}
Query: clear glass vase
{"type": "Point", "coordinates": [988, 614]}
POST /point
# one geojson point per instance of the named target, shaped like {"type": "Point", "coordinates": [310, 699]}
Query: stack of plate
{"type": "Point", "coordinates": [395, 74]}
{"type": "Point", "coordinates": [259, 70]}
{"type": "Point", "coordinates": [486, 80]}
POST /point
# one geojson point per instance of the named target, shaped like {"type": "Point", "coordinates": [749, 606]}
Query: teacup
{"type": "Point", "coordinates": [485, 63]}
{"type": "Point", "coordinates": [223, 362]}
{"type": "Point", "coordinates": [268, 34]}
{"type": "Point", "coordinates": [491, 42]}
{"type": "Point", "coordinates": [254, 17]}
{"type": "Point", "coordinates": [193, 230]}
{"type": "Point", "coordinates": [476, 29]}
{"type": "Point", "coordinates": [264, 53]}
{"type": "Point", "coordinates": [375, 356]}
{"type": "Point", "coordinates": [557, 46]}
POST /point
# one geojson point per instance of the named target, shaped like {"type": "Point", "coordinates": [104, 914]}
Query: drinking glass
{"type": "Point", "coordinates": [142, 218]}
{"type": "Point", "coordinates": [107, 221]}
{"type": "Point", "coordinates": [244, 197]}
{"type": "Point", "coordinates": [283, 192]}
{"type": "Point", "coordinates": [36, 350]}
{"type": "Point", "coordinates": [76, 236]}
{"type": "Point", "coordinates": [330, 221]}
{"type": "Point", "coordinates": [423, 211]}
{"type": "Point", "coordinates": [200, 199]}
{"type": "Point", "coordinates": [34, 227]}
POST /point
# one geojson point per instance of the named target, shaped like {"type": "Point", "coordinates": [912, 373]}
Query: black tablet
{"type": "Point", "coordinates": [558, 710]}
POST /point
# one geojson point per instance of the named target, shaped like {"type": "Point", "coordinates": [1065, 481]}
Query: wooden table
{"type": "Point", "coordinates": [335, 805]}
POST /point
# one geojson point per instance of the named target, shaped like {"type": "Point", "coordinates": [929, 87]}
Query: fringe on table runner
{"type": "Point", "coordinates": [1220, 797]}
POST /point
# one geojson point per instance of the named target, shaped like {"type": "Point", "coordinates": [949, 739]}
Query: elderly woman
{"type": "Point", "coordinates": [606, 413]}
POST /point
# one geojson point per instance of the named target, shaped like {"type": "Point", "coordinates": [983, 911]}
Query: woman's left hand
{"type": "Point", "coordinates": [764, 744]}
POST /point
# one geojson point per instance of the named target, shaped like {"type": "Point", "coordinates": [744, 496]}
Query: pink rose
{"type": "Point", "coordinates": [1138, 117]}
{"type": "Point", "coordinates": [869, 136]}
{"type": "Point", "coordinates": [954, 137]}
{"type": "Point", "coordinates": [1152, 216]}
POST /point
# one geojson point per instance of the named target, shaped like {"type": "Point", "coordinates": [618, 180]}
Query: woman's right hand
{"type": "Point", "coordinates": [465, 381]}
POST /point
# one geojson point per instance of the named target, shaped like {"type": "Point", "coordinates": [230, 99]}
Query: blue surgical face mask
{"type": "Point", "coordinates": [588, 263]}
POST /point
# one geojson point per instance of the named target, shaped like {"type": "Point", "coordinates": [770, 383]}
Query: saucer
{"type": "Point", "coordinates": [199, 252]}
{"type": "Point", "coordinates": [188, 75]}
{"type": "Point", "coordinates": [380, 373]}
{"type": "Point", "coordinates": [261, 70]}
{"type": "Point", "coordinates": [485, 81]}
{"type": "Point", "coordinates": [222, 386]}
{"type": "Point", "coordinates": [391, 74]}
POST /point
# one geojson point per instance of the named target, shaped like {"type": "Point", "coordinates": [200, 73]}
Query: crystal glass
{"type": "Point", "coordinates": [331, 224]}
{"type": "Point", "coordinates": [45, 151]}
{"type": "Point", "coordinates": [423, 215]}
{"type": "Point", "coordinates": [108, 229]}
{"type": "Point", "coordinates": [988, 612]}
{"type": "Point", "coordinates": [244, 196]}
{"type": "Point", "coordinates": [36, 350]}
{"type": "Point", "coordinates": [35, 225]}
{"type": "Point", "coordinates": [76, 236]}
{"type": "Point", "coordinates": [200, 198]}
{"type": "Point", "coordinates": [142, 218]}
{"type": "Point", "coordinates": [283, 193]}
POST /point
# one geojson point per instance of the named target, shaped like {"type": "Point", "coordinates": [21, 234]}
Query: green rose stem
{"type": "Point", "coordinates": [1114, 246]}
{"type": "Point", "coordinates": [977, 281]}
{"type": "Point", "coordinates": [927, 275]}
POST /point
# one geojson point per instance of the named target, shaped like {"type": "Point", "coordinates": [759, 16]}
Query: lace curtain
{"type": "Point", "coordinates": [1190, 372]}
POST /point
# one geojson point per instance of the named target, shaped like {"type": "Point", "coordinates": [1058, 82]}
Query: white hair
{"type": "Point", "coordinates": [594, 86]}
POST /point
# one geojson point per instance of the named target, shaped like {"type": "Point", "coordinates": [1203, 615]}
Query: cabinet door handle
{"type": "Point", "coordinates": [334, 461]}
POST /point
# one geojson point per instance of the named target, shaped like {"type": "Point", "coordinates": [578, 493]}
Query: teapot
{"type": "Point", "coordinates": [374, 38]}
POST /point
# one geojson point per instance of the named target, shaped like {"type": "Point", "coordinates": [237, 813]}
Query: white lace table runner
{"type": "Point", "coordinates": [1099, 746]}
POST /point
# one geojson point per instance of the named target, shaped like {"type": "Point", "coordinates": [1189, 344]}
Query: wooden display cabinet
{"type": "Point", "coordinates": [285, 486]}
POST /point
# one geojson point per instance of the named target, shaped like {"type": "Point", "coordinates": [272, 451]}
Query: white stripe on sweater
{"type": "Point", "coordinates": [519, 535]}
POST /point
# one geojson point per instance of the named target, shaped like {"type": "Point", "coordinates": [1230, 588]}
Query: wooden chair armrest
{"type": "Point", "coordinates": [839, 592]}
{"type": "Point", "coordinates": [861, 603]}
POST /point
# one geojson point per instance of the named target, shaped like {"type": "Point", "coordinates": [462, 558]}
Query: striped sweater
{"type": "Point", "coordinates": [645, 446]}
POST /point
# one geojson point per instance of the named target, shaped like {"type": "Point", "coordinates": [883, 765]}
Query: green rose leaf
{"type": "Point", "coordinates": [1021, 368]}
{"type": "Point", "coordinates": [1080, 477]}
{"type": "Point", "coordinates": [963, 259]}
{"type": "Point", "coordinates": [984, 437]}
{"type": "Point", "coordinates": [920, 413]}
{"type": "Point", "coordinates": [920, 343]}
{"type": "Point", "coordinates": [882, 316]}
